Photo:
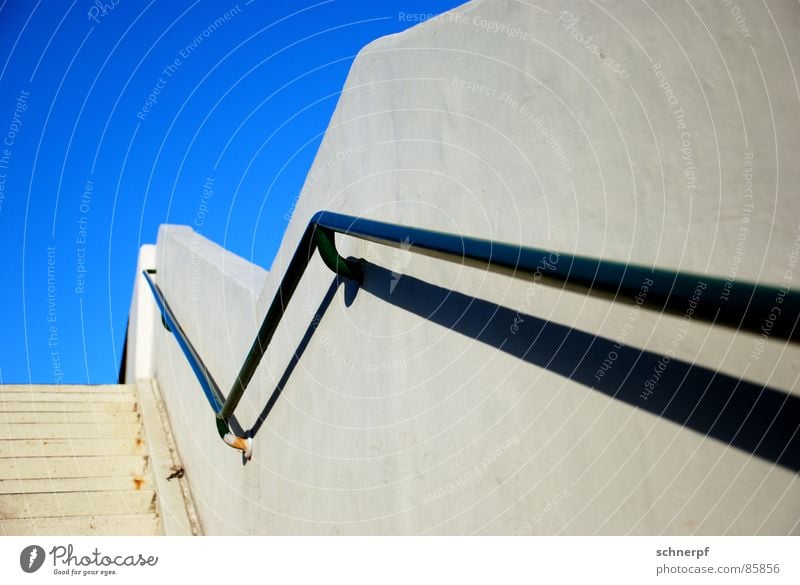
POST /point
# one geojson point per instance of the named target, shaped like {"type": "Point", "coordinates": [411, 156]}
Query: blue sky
{"type": "Point", "coordinates": [113, 117]}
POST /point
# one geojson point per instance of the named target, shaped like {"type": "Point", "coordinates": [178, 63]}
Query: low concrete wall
{"type": "Point", "coordinates": [442, 399]}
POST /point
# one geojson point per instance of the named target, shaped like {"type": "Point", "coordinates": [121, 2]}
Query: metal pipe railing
{"type": "Point", "coordinates": [767, 310]}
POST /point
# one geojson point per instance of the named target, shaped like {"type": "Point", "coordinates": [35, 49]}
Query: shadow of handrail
{"type": "Point", "coordinates": [756, 419]}
{"type": "Point", "coordinates": [298, 353]}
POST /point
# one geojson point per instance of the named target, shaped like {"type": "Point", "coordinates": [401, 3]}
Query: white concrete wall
{"type": "Point", "coordinates": [414, 411]}
{"type": "Point", "coordinates": [140, 361]}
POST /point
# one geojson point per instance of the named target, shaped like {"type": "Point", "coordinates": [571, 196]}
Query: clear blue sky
{"type": "Point", "coordinates": [114, 113]}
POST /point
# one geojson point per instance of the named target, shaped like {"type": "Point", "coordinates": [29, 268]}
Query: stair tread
{"type": "Point", "coordinates": [62, 406]}
{"type": "Point", "coordinates": [70, 430]}
{"type": "Point", "coordinates": [96, 397]}
{"type": "Point", "coordinates": [64, 504]}
{"type": "Point", "coordinates": [57, 467]}
{"type": "Point", "coordinates": [70, 417]}
{"type": "Point", "coordinates": [119, 525]}
{"type": "Point", "coordinates": [71, 447]}
{"type": "Point", "coordinates": [75, 484]}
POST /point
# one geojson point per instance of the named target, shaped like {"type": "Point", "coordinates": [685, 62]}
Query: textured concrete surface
{"type": "Point", "coordinates": [441, 399]}
{"type": "Point", "coordinates": [80, 460]}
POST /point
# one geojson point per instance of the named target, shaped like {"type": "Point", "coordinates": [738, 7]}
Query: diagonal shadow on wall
{"type": "Point", "coordinates": [298, 353]}
{"type": "Point", "coordinates": [756, 419]}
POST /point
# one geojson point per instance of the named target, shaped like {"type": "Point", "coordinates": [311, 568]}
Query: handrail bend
{"type": "Point", "coordinates": [763, 309]}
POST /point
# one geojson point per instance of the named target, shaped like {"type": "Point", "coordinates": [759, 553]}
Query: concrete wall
{"type": "Point", "coordinates": [442, 399]}
{"type": "Point", "coordinates": [142, 320]}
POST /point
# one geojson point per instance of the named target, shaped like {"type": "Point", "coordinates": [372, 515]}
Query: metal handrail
{"type": "Point", "coordinates": [770, 311]}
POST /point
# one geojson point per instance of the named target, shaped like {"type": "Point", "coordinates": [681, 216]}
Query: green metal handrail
{"type": "Point", "coordinates": [748, 306]}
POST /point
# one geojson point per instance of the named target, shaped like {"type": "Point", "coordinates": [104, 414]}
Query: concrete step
{"type": "Point", "coordinates": [69, 431]}
{"type": "Point", "coordinates": [75, 484]}
{"type": "Point", "coordinates": [59, 467]}
{"type": "Point", "coordinates": [116, 525]}
{"type": "Point", "coordinates": [76, 460]}
{"type": "Point", "coordinates": [70, 417]}
{"type": "Point", "coordinates": [9, 407]}
{"type": "Point", "coordinates": [72, 447]}
{"type": "Point", "coordinates": [63, 504]}
{"type": "Point", "coordinates": [88, 397]}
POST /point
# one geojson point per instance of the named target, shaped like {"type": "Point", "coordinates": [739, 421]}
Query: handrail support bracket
{"type": "Point", "coordinates": [326, 245]}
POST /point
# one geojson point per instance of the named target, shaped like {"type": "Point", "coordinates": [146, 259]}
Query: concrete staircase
{"type": "Point", "coordinates": [89, 460]}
